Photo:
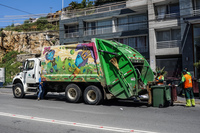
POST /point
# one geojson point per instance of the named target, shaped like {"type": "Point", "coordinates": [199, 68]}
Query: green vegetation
{"type": "Point", "coordinates": [84, 4]}
{"type": "Point", "coordinates": [87, 3]}
{"type": "Point", "coordinates": [9, 62]}
{"type": "Point", "coordinates": [101, 2]}
{"type": "Point", "coordinates": [162, 71]}
{"type": "Point", "coordinates": [40, 25]}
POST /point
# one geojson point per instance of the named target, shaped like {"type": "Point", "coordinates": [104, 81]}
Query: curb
{"type": "Point", "coordinates": [196, 102]}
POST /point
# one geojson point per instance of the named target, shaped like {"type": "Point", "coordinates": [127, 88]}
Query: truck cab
{"type": "Point", "coordinates": [28, 79]}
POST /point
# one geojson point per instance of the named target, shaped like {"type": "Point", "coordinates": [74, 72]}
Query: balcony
{"type": "Point", "coordinates": [98, 31]}
{"type": "Point", "coordinates": [94, 10]}
{"type": "Point", "coordinates": [196, 12]}
{"type": "Point", "coordinates": [169, 44]}
{"type": "Point", "coordinates": [127, 27]}
{"type": "Point", "coordinates": [168, 16]}
{"type": "Point", "coordinates": [71, 35]}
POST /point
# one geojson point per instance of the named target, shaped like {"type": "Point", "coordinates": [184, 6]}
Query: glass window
{"type": "Point", "coordinates": [163, 35]}
{"type": "Point", "coordinates": [173, 66]}
{"type": "Point", "coordinates": [71, 28]}
{"type": "Point", "coordinates": [174, 8]}
{"type": "Point", "coordinates": [30, 65]}
{"type": "Point", "coordinates": [104, 26]}
{"type": "Point", "coordinates": [123, 40]}
{"type": "Point", "coordinates": [168, 11]}
{"type": "Point", "coordinates": [161, 11]}
{"type": "Point", "coordinates": [139, 43]}
{"type": "Point", "coordinates": [168, 35]}
{"type": "Point", "coordinates": [122, 20]}
{"type": "Point", "coordinates": [196, 4]}
{"type": "Point", "coordinates": [176, 34]}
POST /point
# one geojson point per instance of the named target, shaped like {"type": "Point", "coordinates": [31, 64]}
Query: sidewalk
{"type": "Point", "coordinates": [182, 100]}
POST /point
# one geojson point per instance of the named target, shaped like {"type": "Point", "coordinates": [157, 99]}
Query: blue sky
{"type": "Point", "coordinates": [9, 16]}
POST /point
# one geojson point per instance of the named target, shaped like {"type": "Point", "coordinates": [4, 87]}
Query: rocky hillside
{"type": "Point", "coordinates": [27, 42]}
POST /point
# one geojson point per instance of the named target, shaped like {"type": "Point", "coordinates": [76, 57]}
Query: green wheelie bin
{"type": "Point", "coordinates": [161, 95]}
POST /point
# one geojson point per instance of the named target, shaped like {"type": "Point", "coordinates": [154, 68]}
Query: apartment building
{"type": "Point", "coordinates": [162, 30]}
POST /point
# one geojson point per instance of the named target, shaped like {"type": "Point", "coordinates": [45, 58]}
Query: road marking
{"type": "Point", "coordinates": [68, 123]}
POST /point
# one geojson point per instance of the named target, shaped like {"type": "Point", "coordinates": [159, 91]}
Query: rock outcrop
{"type": "Point", "coordinates": [27, 42]}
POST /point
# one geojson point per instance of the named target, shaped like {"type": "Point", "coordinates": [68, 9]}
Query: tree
{"type": "Point", "coordinates": [73, 5]}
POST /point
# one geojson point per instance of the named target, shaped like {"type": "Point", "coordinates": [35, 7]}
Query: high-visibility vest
{"type": "Point", "coordinates": [160, 78]}
{"type": "Point", "coordinates": [188, 81]}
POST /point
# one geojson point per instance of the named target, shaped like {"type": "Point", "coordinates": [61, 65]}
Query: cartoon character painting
{"type": "Point", "coordinates": [82, 57]}
{"type": "Point", "coordinates": [50, 56]}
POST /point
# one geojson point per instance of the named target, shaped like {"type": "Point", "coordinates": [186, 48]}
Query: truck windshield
{"type": "Point", "coordinates": [28, 65]}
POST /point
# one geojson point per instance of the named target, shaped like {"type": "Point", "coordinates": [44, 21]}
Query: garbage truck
{"type": "Point", "coordinates": [89, 72]}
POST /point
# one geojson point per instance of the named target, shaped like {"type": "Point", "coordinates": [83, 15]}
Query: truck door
{"type": "Point", "coordinates": [29, 71]}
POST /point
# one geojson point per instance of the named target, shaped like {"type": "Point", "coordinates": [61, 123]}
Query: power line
{"type": "Point", "coordinates": [15, 9]}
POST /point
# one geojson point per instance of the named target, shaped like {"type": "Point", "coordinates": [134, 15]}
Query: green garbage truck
{"type": "Point", "coordinates": [92, 72]}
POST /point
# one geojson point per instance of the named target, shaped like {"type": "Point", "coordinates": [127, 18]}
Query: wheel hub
{"type": "Point", "coordinates": [18, 91]}
{"type": "Point", "coordinates": [72, 94]}
{"type": "Point", "coordinates": [91, 96]}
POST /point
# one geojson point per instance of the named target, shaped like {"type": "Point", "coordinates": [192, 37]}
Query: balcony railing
{"type": "Point", "coordinates": [169, 44]}
{"type": "Point", "coordinates": [196, 12]}
{"type": "Point", "coordinates": [98, 31]}
{"type": "Point", "coordinates": [94, 10]}
{"type": "Point", "coordinates": [128, 27]}
{"type": "Point", "coordinates": [168, 16]}
{"type": "Point", "coordinates": [73, 34]}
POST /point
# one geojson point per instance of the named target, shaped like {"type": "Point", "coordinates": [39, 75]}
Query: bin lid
{"type": "Point", "coordinates": [159, 86]}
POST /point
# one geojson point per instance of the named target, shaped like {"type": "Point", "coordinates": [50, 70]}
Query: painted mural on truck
{"type": "Point", "coordinates": [70, 62]}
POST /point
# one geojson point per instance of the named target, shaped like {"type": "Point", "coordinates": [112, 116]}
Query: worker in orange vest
{"type": "Point", "coordinates": [160, 78]}
{"type": "Point", "coordinates": [187, 84]}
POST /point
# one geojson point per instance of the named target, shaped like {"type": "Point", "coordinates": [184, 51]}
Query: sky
{"type": "Point", "coordinates": [16, 11]}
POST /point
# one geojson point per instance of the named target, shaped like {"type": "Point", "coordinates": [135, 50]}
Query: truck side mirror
{"type": "Point", "coordinates": [21, 69]}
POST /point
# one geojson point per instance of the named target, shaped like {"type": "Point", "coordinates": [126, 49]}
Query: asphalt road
{"type": "Point", "coordinates": [54, 115]}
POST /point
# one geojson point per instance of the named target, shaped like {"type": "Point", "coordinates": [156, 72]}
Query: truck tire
{"type": "Point", "coordinates": [73, 93]}
{"type": "Point", "coordinates": [92, 95]}
{"type": "Point", "coordinates": [18, 91]}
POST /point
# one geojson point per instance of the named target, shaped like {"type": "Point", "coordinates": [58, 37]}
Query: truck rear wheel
{"type": "Point", "coordinates": [18, 91]}
{"type": "Point", "coordinates": [73, 93]}
{"type": "Point", "coordinates": [92, 95]}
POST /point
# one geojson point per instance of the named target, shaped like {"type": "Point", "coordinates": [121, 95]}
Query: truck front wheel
{"type": "Point", "coordinates": [73, 93]}
{"type": "Point", "coordinates": [18, 91]}
{"type": "Point", "coordinates": [92, 95]}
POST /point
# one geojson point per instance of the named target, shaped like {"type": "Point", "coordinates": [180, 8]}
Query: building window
{"type": "Point", "coordinates": [104, 26]}
{"type": "Point", "coordinates": [196, 4]}
{"type": "Point", "coordinates": [167, 11]}
{"type": "Point", "coordinates": [98, 27]}
{"type": "Point", "coordinates": [133, 22]}
{"type": "Point", "coordinates": [173, 66]}
{"type": "Point", "coordinates": [90, 28]}
{"type": "Point", "coordinates": [71, 31]}
{"type": "Point", "coordinates": [168, 38]}
{"type": "Point", "coordinates": [139, 43]}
